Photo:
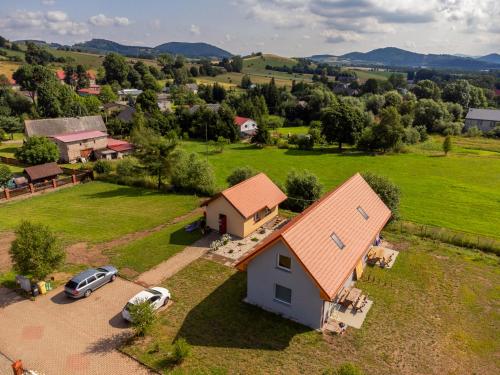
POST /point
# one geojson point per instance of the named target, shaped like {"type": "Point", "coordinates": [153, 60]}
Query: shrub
{"type": "Point", "coordinates": [386, 190]}
{"type": "Point", "coordinates": [143, 317]}
{"type": "Point", "coordinates": [192, 174]}
{"type": "Point", "coordinates": [473, 131]}
{"type": "Point", "coordinates": [38, 150]}
{"type": "Point", "coordinates": [102, 166]}
{"type": "Point", "coordinates": [302, 189]}
{"type": "Point", "coordinates": [182, 350]}
{"type": "Point", "coordinates": [447, 145]}
{"type": "Point", "coordinates": [282, 143]}
{"type": "Point", "coordinates": [240, 174]}
{"type": "Point", "coordinates": [5, 175]}
{"type": "Point", "coordinates": [127, 168]}
{"type": "Point", "coordinates": [305, 142]}
{"type": "Point", "coordinates": [36, 251]}
{"type": "Point", "coordinates": [411, 136]}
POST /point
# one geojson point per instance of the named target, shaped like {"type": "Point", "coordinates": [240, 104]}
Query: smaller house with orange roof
{"type": "Point", "coordinates": [244, 207]}
{"type": "Point", "coordinates": [246, 126]}
{"type": "Point", "coordinates": [299, 270]}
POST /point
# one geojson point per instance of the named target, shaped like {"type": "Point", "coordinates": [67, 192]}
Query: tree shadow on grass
{"type": "Point", "coordinates": [122, 191]}
{"type": "Point", "coordinates": [222, 319]}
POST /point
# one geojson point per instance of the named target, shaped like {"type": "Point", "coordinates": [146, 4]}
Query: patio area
{"type": "Point", "coordinates": [382, 256]}
{"type": "Point", "coordinates": [230, 252]}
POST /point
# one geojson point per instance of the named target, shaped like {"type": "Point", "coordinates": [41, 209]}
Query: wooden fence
{"type": "Point", "coordinates": [75, 178]}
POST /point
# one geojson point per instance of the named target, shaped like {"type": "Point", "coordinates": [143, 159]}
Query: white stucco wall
{"type": "Point", "coordinates": [263, 274]}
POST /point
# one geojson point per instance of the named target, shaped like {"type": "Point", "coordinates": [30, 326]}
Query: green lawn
{"type": "Point", "coordinates": [97, 211]}
{"type": "Point", "coordinates": [293, 130]}
{"type": "Point", "coordinates": [460, 192]}
{"type": "Point", "coordinates": [145, 253]}
{"type": "Point", "coordinates": [434, 312]}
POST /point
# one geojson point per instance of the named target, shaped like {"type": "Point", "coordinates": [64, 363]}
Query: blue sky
{"type": "Point", "coordinates": [286, 27]}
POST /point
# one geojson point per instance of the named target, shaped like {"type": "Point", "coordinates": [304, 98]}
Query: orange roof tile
{"type": "Point", "coordinates": [252, 195]}
{"type": "Point", "coordinates": [308, 235]}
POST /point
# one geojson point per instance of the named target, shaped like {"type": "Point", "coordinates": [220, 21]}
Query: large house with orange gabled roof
{"type": "Point", "coordinates": [244, 207]}
{"type": "Point", "coordinates": [299, 270]}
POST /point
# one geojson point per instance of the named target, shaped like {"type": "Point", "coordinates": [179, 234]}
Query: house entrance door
{"type": "Point", "coordinates": [222, 224]}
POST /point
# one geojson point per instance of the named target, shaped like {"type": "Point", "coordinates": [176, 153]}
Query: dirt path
{"type": "Point", "coordinates": [81, 253]}
{"type": "Point", "coordinates": [176, 263]}
{"type": "Point", "coordinates": [6, 239]}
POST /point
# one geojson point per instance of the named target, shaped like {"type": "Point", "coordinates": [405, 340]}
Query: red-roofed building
{"type": "Point", "coordinates": [91, 90]}
{"type": "Point", "coordinates": [246, 126]}
{"type": "Point", "coordinates": [78, 145]}
{"type": "Point", "coordinates": [299, 270]}
{"type": "Point", "coordinates": [61, 76]}
{"type": "Point", "coordinates": [245, 207]}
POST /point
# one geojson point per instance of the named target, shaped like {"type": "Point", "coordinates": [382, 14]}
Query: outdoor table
{"type": "Point", "coordinates": [353, 296]}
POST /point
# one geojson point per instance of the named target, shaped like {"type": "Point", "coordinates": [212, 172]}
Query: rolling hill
{"type": "Point", "coordinates": [396, 57]}
{"type": "Point", "coordinates": [190, 50]}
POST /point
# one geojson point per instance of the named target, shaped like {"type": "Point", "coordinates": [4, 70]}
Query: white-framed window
{"type": "Point", "coordinates": [256, 216]}
{"type": "Point", "coordinates": [284, 262]}
{"type": "Point", "coordinates": [282, 294]}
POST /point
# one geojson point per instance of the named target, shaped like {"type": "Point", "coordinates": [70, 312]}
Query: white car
{"type": "Point", "coordinates": [156, 296]}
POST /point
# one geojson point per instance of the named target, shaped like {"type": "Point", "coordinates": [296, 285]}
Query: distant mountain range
{"type": "Point", "coordinates": [190, 50]}
{"type": "Point", "coordinates": [396, 57]}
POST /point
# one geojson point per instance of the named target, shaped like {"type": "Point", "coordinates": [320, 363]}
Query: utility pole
{"type": "Point", "coordinates": [206, 138]}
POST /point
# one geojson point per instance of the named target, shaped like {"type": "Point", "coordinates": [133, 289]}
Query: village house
{"type": "Point", "coordinates": [299, 270]}
{"type": "Point", "coordinates": [42, 172]}
{"type": "Point", "coordinates": [484, 119]}
{"type": "Point", "coordinates": [80, 145]}
{"type": "Point", "coordinates": [245, 207]}
{"type": "Point", "coordinates": [61, 76]}
{"type": "Point", "coordinates": [91, 90]}
{"type": "Point", "coordinates": [246, 126]}
{"type": "Point", "coordinates": [79, 138]}
{"type": "Point", "coordinates": [126, 94]}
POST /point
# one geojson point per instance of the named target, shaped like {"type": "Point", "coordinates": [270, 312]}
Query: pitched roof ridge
{"type": "Point", "coordinates": [294, 221]}
{"type": "Point", "coordinates": [308, 210]}
{"type": "Point", "coordinates": [242, 182]}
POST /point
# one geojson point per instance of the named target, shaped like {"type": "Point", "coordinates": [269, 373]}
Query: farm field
{"type": "Point", "coordinates": [8, 68]}
{"type": "Point", "coordinates": [419, 322]}
{"type": "Point", "coordinates": [459, 192]}
{"type": "Point", "coordinates": [97, 211]}
{"type": "Point", "coordinates": [367, 74]}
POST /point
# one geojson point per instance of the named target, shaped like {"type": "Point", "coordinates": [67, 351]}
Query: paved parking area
{"type": "Point", "coordinates": [56, 335]}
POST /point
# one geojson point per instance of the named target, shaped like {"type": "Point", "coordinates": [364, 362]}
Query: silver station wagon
{"type": "Point", "coordinates": [83, 284]}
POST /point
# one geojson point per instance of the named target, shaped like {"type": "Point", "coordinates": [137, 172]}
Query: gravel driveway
{"type": "Point", "coordinates": [56, 335]}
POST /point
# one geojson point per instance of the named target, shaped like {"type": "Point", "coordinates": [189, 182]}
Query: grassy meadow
{"type": "Point", "coordinates": [97, 211]}
{"type": "Point", "coordinates": [460, 191]}
{"type": "Point", "coordinates": [420, 322]}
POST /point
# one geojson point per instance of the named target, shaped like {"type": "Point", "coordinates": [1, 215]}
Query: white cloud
{"type": "Point", "coordinates": [195, 30]}
{"type": "Point", "coordinates": [54, 21]}
{"type": "Point", "coordinates": [335, 36]}
{"type": "Point", "coordinates": [48, 2]}
{"type": "Point", "coordinates": [102, 20]}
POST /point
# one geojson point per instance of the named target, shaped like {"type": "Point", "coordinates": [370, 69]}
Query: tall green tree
{"type": "Point", "coordinates": [36, 251]}
{"type": "Point", "coordinates": [427, 89]}
{"type": "Point", "coordinates": [390, 132]}
{"type": "Point", "coordinates": [154, 151]}
{"type": "Point", "coordinates": [5, 175]}
{"type": "Point", "coordinates": [30, 77]}
{"type": "Point", "coordinates": [303, 189]}
{"type": "Point", "coordinates": [116, 68]}
{"type": "Point", "coordinates": [342, 123]}
{"type": "Point", "coordinates": [11, 125]}
{"type": "Point", "coordinates": [36, 55]}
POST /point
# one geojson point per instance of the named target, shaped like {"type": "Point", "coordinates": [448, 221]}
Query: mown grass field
{"type": "Point", "coordinates": [460, 191]}
{"type": "Point", "coordinates": [160, 246]}
{"type": "Point", "coordinates": [97, 211]}
{"type": "Point", "coordinates": [293, 130]}
{"type": "Point", "coordinates": [367, 74]}
{"type": "Point", "coordinates": [434, 312]}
